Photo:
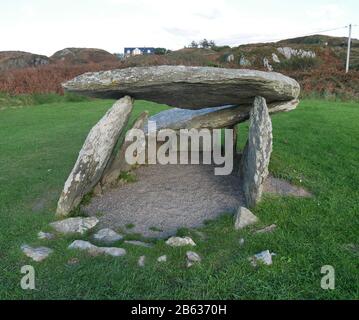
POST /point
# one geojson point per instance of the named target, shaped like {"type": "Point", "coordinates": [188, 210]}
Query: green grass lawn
{"type": "Point", "coordinates": [315, 146]}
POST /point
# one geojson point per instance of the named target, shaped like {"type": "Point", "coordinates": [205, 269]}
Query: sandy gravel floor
{"type": "Point", "coordinates": [167, 198]}
{"type": "Point", "coordinates": [170, 197]}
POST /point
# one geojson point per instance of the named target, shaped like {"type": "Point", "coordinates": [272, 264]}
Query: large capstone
{"type": "Point", "coordinates": [94, 156]}
{"type": "Point", "coordinates": [257, 152]}
{"type": "Point", "coordinates": [188, 87]}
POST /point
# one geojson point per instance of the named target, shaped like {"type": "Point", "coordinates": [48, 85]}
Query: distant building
{"type": "Point", "coordinates": [138, 51]}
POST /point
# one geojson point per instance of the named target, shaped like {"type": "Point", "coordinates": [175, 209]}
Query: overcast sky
{"type": "Point", "coordinates": [45, 26]}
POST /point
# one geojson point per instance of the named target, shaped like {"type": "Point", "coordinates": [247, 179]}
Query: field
{"type": "Point", "coordinates": [316, 146]}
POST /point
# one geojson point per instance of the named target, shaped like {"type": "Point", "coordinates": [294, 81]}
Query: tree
{"type": "Point", "coordinates": [161, 51]}
{"type": "Point", "coordinates": [193, 44]}
{"type": "Point", "coordinates": [204, 44]}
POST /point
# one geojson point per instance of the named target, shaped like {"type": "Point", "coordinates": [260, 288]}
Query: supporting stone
{"type": "Point", "coordinates": [119, 163]}
{"type": "Point", "coordinates": [94, 156]}
{"type": "Point", "coordinates": [257, 152]}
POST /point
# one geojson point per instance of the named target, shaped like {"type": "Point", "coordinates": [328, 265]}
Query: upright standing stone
{"type": "Point", "coordinates": [119, 163]}
{"type": "Point", "coordinates": [257, 153]}
{"type": "Point", "coordinates": [94, 156]}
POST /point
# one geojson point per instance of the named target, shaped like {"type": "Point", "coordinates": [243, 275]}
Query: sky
{"type": "Point", "coordinates": [46, 26]}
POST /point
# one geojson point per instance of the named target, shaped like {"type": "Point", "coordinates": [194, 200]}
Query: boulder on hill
{"type": "Point", "coordinates": [83, 56]}
{"type": "Point", "coordinates": [19, 59]}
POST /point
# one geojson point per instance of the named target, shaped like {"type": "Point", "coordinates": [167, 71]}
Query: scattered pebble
{"type": "Point", "coordinates": [268, 229]}
{"type": "Point", "coordinates": [264, 257]}
{"type": "Point", "coordinates": [37, 254]}
{"type": "Point", "coordinates": [192, 258]}
{"type": "Point", "coordinates": [141, 261]}
{"type": "Point", "coordinates": [45, 236]}
{"type": "Point", "coordinates": [162, 259]}
{"type": "Point", "coordinates": [180, 242]}
{"type": "Point", "coordinates": [73, 261]}
{"type": "Point", "coordinates": [244, 218]}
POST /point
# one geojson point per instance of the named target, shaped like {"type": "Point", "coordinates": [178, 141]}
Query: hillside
{"type": "Point", "coordinates": [317, 62]}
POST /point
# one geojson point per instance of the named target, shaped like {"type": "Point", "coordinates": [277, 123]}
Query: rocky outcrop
{"type": "Point", "coordinates": [119, 164]}
{"type": "Point", "coordinates": [290, 52]}
{"type": "Point", "coordinates": [94, 156]}
{"type": "Point", "coordinates": [187, 87]}
{"type": "Point", "coordinates": [257, 152]}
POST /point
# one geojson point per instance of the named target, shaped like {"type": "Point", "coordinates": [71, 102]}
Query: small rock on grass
{"type": "Point", "coordinates": [162, 259]}
{"type": "Point", "coordinates": [45, 236]}
{"type": "Point", "coordinates": [37, 254]}
{"type": "Point", "coordinates": [241, 242]}
{"type": "Point", "coordinates": [75, 225]}
{"type": "Point", "coordinates": [192, 258]}
{"type": "Point", "coordinates": [264, 257]}
{"type": "Point", "coordinates": [244, 218]}
{"type": "Point", "coordinates": [94, 250]}
{"type": "Point", "coordinates": [268, 229]}
{"type": "Point", "coordinates": [180, 242]}
{"type": "Point", "coordinates": [141, 261]}
{"type": "Point", "coordinates": [107, 236]}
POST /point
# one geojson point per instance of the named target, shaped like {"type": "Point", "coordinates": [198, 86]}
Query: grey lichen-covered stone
{"type": "Point", "coordinates": [76, 225]}
{"type": "Point", "coordinates": [264, 257]}
{"type": "Point", "coordinates": [192, 258]}
{"type": "Point", "coordinates": [187, 87]}
{"type": "Point", "coordinates": [94, 156]}
{"type": "Point", "coordinates": [45, 236]}
{"type": "Point", "coordinates": [94, 250]}
{"type": "Point", "coordinates": [107, 236]}
{"type": "Point", "coordinates": [180, 242]}
{"type": "Point", "coordinates": [244, 218]}
{"type": "Point", "coordinates": [37, 254]}
{"type": "Point", "coordinates": [118, 163]}
{"type": "Point", "coordinates": [257, 153]}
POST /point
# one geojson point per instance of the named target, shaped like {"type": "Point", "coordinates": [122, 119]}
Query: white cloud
{"type": "Point", "coordinates": [44, 27]}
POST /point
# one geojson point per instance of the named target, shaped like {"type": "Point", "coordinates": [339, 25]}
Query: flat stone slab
{"type": "Point", "coordinates": [187, 87]}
